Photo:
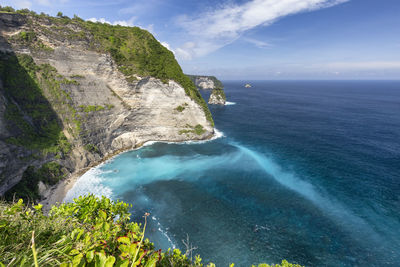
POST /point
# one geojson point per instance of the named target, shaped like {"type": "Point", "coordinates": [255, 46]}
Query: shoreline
{"type": "Point", "coordinates": [56, 194]}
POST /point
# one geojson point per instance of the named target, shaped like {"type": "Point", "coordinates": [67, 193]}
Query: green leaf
{"type": "Point", "coordinates": [77, 260]}
{"type": "Point", "coordinates": [100, 259]}
{"type": "Point", "coordinates": [110, 261]}
{"type": "Point", "coordinates": [74, 252]}
{"type": "Point", "coordinates": [102, 215]}
{"type": "Point", "coordinates": [90, 255]}
{"type": "Point", "coordinates": [132, 249]}
{"type": "Point", "coordinates": [122, 263]}
{"type": "Point", "coordinates": [38, 207]}
{"type": "Point", "coordinates": [124, 239]}
{"type": "Point", "coordinates": [152, 261]}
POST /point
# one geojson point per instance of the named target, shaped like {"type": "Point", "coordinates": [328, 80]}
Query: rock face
{"type": "Point", "coordinates": [206, 82]}
{"type": "Point", "coordinates": [217, 97]}
{"type": "Point", "coordinates": [114, 114]}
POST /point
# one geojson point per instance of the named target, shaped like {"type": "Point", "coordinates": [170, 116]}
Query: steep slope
{"type": "Point", "coordinates": [73, 93]}
{"type": "Point", "coordinates": [217, 96]}
{"type": "Point", "coordinates": [206, 82]}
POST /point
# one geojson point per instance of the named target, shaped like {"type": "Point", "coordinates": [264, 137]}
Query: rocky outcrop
{"type": "Point", "coordinates": [100, 111]}
{"type": "Point", "coordinates": [206, 82]}
{"type": "Point", "coordinates": [217, 97]}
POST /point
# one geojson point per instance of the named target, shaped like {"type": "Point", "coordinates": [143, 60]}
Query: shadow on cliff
{"type": "Point", "coordinates": [31, 119]}
{"type": "Point", "coordinates": [32, 124]}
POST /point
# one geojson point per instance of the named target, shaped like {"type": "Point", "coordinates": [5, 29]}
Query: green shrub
{"type": "Point", "coordinates": [91, 148]}
{"type": "Point", "coordinates": [7, 9]}
{"type": "Point", "coordinates": [89, 232]}
{"type": "Point", "coordinates": [180, 108]}
{"type": "Point", "coordinates": [199, 130]}
{"type": "Point", "coordinates": [91, 108]}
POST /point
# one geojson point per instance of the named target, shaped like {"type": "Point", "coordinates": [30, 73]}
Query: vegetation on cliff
{"type": "Point", "coordinates": [40, 114]}
{"type": "Point", "coordinates": [217, 83]}
{"type": "Point", "coordinates": [135, 50]}
{"type": "Point", "coordinates": [218, 94]}
{"type": "Point", "coordinates": [89, 232]}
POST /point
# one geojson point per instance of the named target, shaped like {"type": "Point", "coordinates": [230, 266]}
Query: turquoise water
{"type": "Point", "coordinates": [305, 171]}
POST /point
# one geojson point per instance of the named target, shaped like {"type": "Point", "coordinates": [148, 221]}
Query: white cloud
{"type": "Point", "coordinates": [50, 2]}
{"type": "Point", "coordinates": [214, 29]}
{"type": "Point", "coordinates": [257, 43]}
{"type": "Point", "coordinates": [166, 45]}
{"type": "Point", "coordinates": [186, 52]}
{"type": "Point", "coordinates": [129, 22]}
{"type": "Point", "coordinates": [43, 2]}
{"type": "Point", "coordinates": [22, 4]}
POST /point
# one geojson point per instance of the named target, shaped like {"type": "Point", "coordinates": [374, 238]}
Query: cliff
{"type": "Point", "coordinates": [74, 92]}
{"type": "Point", "coordinates": [206, 82]}
{"type": "Point", "coordinates": [217, 96]}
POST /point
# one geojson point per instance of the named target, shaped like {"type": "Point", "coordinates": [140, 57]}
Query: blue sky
{"type": "Point", "coordinates": [259, 39]}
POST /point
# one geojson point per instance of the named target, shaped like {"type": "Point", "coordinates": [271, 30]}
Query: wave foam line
{"type": "Point", "coordinates": [89, 182]}
{"type": "Point", "coordinates": [164, 233]}
{"type": "Point", "coordinates": [337, 211]}
{"type": "Point", "coordinates": [227, 103]}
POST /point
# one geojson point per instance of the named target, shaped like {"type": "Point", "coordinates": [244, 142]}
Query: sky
{"type": "Point", "coordinates": [259, 39]}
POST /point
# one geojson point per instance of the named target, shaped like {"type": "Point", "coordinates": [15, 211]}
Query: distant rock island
{"type": "Point", "coordinates": [203, 82]}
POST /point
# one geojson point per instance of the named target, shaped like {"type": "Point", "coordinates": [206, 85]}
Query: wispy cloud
{"type": "Point", "coordinates": [30, 3]}
{"type": "Point", "coordinates": [257, 43]}
{"type": "Point", "coordinates": [214, 29]}
{"type": "Point", "coordinates": [363, 65]}
{"type": "Point", "coordinates": [22, 4]}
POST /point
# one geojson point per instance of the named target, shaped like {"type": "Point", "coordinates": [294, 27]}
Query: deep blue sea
{"type": "Point", "coordinates": [307, 171]}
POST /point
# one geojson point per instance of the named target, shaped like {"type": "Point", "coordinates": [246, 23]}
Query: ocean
{"type": "Point", "coordinates": [307, 171]}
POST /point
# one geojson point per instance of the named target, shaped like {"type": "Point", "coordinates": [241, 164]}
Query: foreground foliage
{"type": "Point", "coordinates": [89, 232]}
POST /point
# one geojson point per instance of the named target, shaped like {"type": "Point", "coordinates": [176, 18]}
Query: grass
{"type": "Point", "coordinates": [180, 108]}
{"type": "Point", "coordinates": [92, 148]}
{"type": "Point", "coordinates": [219, 93]}
{"type": "Point", "coordinates": [198, 129]}
{"type": "Point", "coordinates": [91, 108]}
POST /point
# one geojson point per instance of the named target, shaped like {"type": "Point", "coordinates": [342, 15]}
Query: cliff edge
{"type": "Point", "coordinates": [217, 96]}
{"type": "Point", "coordinates": [73, 93]}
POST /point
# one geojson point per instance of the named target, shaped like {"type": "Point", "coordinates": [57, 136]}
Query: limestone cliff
{"type": "Point", "coordinates": [206, 82]}
{"type": "Point", "coordinates": [73, 93]}
{"type": "Point", "coordinates": [217, 97]}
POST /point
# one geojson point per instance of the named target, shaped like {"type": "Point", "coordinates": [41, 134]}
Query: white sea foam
{"type": "Point", "coordinates": [227, 103]}
{"type": "Point", "coordinates": [217, 134]}
{"type": "Point", "coordinates": [90, 182]}
{"type": "Point", "coordinates": [164, 232]}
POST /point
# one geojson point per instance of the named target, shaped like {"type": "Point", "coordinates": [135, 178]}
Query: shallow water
{"type": "Point", "coordinates": [306, 171]}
